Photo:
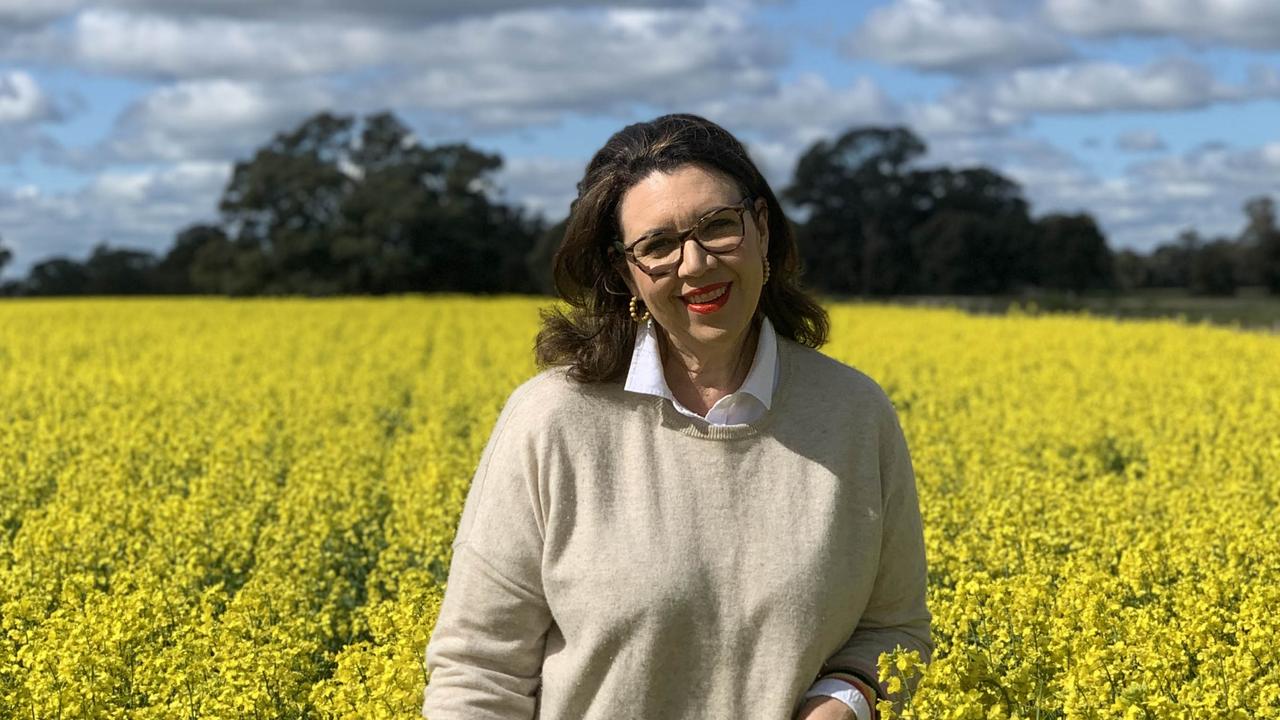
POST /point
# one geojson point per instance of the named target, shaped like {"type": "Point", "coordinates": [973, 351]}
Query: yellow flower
{"type": "Point", "coordinates": [246, 508]}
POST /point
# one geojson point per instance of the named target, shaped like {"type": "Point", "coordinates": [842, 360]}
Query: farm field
{"type": "Point", "coordinates": [216, 508]}
{"type": "Point", "coordinates": [1250, 308]}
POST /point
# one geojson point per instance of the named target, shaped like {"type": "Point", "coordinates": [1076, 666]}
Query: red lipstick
{"type": "Point", "coordinates": [712, 305]}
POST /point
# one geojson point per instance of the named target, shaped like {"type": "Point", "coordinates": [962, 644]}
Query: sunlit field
{"type": "Point", "coordinates": [243, 508]}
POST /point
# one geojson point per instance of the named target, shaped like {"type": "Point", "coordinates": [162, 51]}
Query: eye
{"type": "Point", "coordinates": [657, 245]}
{"type": "Point", "coordinates": [720, 225]}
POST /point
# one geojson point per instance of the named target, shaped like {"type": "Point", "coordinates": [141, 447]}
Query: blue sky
{"type": "Point", "coordinates": [120, 121]}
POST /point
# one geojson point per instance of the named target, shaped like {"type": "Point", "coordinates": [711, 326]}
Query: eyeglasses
{"type": "Point", "coordinates": [719, 231]}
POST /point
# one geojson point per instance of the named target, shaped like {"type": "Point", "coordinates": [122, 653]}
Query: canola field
{"type": "Point", "coordinates": [220, 508]}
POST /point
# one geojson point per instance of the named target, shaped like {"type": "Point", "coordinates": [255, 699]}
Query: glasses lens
{"type": "Point", "coordinates": [721, 230]}
{"type": "Point", "coordinates": [657, 252]}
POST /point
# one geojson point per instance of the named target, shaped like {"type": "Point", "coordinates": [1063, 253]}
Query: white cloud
{"type": "Point", "coordinates": [155, 45]}
{"type": "Point", "coordinates": [20, 142]}
{"type": "Point", "coordinates": [806, 109]}
{"type": "Point", "coordinates": [178, 186]}
{"type": "Point", "coordinates": [549, 63]}
{"type": "Point", "coordinates": [543, 185]}
{"type": "Point", "coordinates": [1264, 80]}
{"type": "Point", "coordinates": [1032, 163]}
{"type": "Point", "coordinates": [137, 210]}
{"type": "Point", "coordinates": [1140, 141]}
{"type": "Point", "coordinates": [775, 126]}
{"type": "Point", "coordinates": [394, 11]}
{"type": "Point", "coordinates": [1083, 88]}
{"type": "Point", "coordinates": [31, 13]}
{"type": "Point", "coordinates": [22, 101]}
{"type": "Point", "coordinates": [1235, 171]}
{"type": "Point", "coordinates": [1103, 86]}
{"type": "Point", "coordinates": [246, 69]}
{"type": "Point", "coordinates": [24, 108]}
{"type": "Point", "coordinates": [779, 124]}
{"type": "Point", "coordinates": [1203, 189]}
{"type": "Point", "coordinates": [248, 39]}
{"type": "Point", "coordinates": [1247, 23]}
{"type": "Point", "coordinates": [208, 119]}
{"type": "Point", "coordinates": [472, 75]}
{"type": "Point", "coordinates": [964, 111]}
{"type": "Point", "coordinates": [1149, 203]}
{"type": "Point", "coordinates": [933, 35]}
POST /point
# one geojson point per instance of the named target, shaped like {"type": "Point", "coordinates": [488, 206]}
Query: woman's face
{"type": "Point", "coordinates": [674, 202]}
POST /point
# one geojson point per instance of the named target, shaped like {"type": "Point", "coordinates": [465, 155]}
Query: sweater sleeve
{"type": "Point", "coordinates": [896, 612]}
{"type": "Point", "coordinates": [486, 650]}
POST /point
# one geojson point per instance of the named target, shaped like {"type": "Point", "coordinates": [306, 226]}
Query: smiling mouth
{"type": "Point", "coordinates": [707, 301]}
{"type": "Point", "coordinates": [709, 296]}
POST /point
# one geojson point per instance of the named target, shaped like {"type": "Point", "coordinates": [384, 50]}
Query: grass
{"type": "Point", "coordinates": [1251, 307]}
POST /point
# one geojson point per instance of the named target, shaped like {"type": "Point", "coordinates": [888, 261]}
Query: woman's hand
{"type": "Point", "coordinates": [825, 708]}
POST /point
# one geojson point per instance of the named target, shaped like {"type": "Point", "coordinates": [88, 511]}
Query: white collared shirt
{"type": "Point", "coordinates": [742, 406]}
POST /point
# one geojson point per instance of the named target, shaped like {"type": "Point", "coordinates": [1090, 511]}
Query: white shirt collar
{"type": "Point", "coordinates": [646, 376]}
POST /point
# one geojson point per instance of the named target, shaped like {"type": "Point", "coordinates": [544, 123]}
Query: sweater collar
{"type": "Point", "coordinates": [646, 376]}
{"type": "Point", "coordinates": [701, 429]}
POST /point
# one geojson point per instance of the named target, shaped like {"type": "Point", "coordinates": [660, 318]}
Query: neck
{"type": "Point", "coordinates": [698, 378]}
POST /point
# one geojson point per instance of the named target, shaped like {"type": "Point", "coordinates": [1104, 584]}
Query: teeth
{"type": "Point", "coordinates": [708, 297]}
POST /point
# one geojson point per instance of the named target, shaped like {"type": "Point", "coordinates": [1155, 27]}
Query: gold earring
{"type": "Point", "coordinates": [766, 271]}
{"type": "Point", "coordinates": [635, 317]}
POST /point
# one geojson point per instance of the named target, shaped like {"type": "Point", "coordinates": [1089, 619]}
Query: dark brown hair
{"type": "Point", "coordinates": [597, 336]}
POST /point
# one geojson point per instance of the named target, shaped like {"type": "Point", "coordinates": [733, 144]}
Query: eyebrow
{"type": "Point", "coordinates": [660, 230]}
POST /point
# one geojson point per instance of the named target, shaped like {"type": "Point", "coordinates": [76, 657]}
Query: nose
{"type": "Point", "coordinates": [694, 261]}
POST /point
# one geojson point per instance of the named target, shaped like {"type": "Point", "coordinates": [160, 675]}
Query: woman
{"type": "Point", "coordinates": [690, 512]}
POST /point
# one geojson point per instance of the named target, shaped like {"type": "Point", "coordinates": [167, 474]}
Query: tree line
{"type": "Point", "coordinates": [341, 205]}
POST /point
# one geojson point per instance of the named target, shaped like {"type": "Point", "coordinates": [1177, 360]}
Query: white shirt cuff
{"type": "Point", "coordinates": [843, 691]}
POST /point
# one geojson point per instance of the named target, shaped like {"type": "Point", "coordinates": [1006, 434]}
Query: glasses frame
{"type": "Point", "coordinates": [682, 236]}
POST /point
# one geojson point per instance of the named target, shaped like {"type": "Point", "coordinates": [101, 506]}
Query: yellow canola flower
{"type": "Point", "coordinates": [244, 508]}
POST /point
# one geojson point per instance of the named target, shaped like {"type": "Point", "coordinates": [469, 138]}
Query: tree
{"type": "Point", "coordinates": [174, 272]}
{"type": "Point", "coordinates": [978, 238]}
{"type": "Point", "coordinates": [860, 209]}
{"type": "Point", "coordinates": [1170, 263]}
{"type": "Point", "coordinates": [871, 216]}
{"type": "Point", "coordinates": [1131, 270]}
{"type": "Point", "coordinates": [228, 267]}
{"type": "Point", "coordinates": [1073, 253]}
{"type": "Point", "coordinates": [118, 271]}
{"type": "Point", "coordinates": [284, 202]}
{"type": "Point", "coordinates": [57, 276]}
{"type": "Point", "coordinates": [964, 252]}
{"type": "Point", "coordinates": [1213, 269]}
{"type": "Point", "coordinates": [1261, 243]}
{"type": "Point", "coordinates": [978, 190]}
{"type": "Point", "coordinates": [8, 287]}
{"type": "Point", "coordinates": [542, 254]}
{"type": "Point", "coordinates": [340, 206]}
{"type": "Point", "coordinates": [1260, 212]}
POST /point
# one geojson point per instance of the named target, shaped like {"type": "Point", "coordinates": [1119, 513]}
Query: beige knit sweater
{"type": "Point", "coordinates": [617, 559]}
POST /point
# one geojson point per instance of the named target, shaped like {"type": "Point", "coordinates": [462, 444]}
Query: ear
{"type": "Point", "coordinates": [762, 224]}
{"type": "Point", "coordinates": [620, 269]}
